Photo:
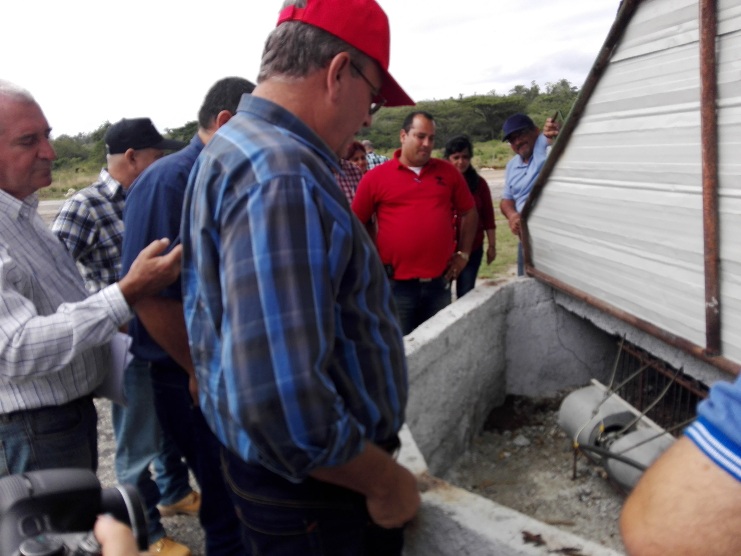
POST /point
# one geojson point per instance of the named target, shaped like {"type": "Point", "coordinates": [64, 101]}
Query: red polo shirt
{"type": "Point", "coordinates": [414, 214]}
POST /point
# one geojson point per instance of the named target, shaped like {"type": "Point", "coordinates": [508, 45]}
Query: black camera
{"type": "Point", "coordinates": [52, 512]}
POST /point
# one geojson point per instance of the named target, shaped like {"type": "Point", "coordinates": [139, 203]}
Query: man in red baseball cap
{"type": "Point", "coordinates": [292, 325]}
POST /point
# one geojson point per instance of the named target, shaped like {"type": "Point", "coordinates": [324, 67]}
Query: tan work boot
{"type": "Point", "coordinates": [168, 547]}
{"type": "Point", "coordinates": [187, 506]}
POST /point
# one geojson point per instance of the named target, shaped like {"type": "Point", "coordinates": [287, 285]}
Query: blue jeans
{"type": "Point", "coordinates": [418, 300]}
{"type": "Point", "coordinates": [49, 437]}
{"type": "Point", "coordinates": [467, 278]}
{"type": "Point", "coordinates": [186, 426]}
{"type": "Point", "coordinates": [140, 442]}
{"type": "Point", "coordinates": [311, 518]}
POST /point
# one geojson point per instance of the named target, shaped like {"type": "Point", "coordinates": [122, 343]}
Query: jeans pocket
{"type": "Point", "coordinates": [65, 436]}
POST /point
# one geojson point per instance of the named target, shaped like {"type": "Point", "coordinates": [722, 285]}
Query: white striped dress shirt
{"type": "Point", "coordinates": [53, 337]}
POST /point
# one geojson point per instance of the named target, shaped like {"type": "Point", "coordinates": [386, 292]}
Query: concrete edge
{"type": "Point", "coordinates": [455, 521]}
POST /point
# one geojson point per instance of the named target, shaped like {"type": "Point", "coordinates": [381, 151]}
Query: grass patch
{"type": "Point", "coordinates": [506, 251]}
{"type": "Point", "coordinates": [64, 179]}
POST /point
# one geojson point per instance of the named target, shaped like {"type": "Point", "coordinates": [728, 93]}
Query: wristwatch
{"type": "Point", "coordinates": [463, 255]}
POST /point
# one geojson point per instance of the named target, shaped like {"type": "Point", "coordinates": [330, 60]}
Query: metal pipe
{"type": "Point", "coordinates": [709, 136]}
{"type": "Point", "coordinates": [685, 345]}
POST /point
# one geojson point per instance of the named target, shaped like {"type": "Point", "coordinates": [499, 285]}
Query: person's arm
{"type": "Point", "coordinates": [491, 250]}
{"type": "Point", "coordinates": [31, 343]}
{"type": "Point", "coordinates": [164, 321]}
{"type": "Point", "coordinates": [469, 221]}
{"type": "Point", "coordinates": [487, 219]}
{"type": "Point", "coordinates": [683, 504]}
{"type": "Point", "coordinates": [363, 204]}
{"type": "Point", "coordinates": [390, 489]}
{"type": "Point", "coordinates": [507, 206]}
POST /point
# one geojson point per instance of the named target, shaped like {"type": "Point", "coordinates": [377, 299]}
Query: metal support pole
{"type": "Point", "coordinates": [709, 136]}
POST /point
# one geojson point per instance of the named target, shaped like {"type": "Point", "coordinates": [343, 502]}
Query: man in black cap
{"type": "Point", "coordinates": [530, 147]}
{"type": "Point", "coordinates": [90, 224]}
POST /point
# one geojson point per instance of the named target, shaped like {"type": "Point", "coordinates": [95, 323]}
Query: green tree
{"type": "Point", "coordinates": [184, 132]}
{"type": "Point", "coordinates": [528, 93]}
{"type": "Point", "coordinates": [493, 110]}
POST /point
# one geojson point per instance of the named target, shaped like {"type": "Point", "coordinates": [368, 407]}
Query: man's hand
{"type": "Point", "coordinates": [491, 253]}
{"type": "Point", "coordinates": [390, 489]}
{"type": "Point", "coordinates": [115, 538]}
{"type": "Point", "coordinates": [400, 501]}
{"type": "Point", "coordinates": [550, 130]}
{"type": "Point", "coordinates": [455, 266]}
{"type": "Point", "coordinates": [150, 272]}
{"type": "Point", "coordinates": [514, 223]}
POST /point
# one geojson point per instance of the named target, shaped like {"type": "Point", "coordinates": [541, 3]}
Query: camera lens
{"type": "Point", "coordinates": [41, 546]}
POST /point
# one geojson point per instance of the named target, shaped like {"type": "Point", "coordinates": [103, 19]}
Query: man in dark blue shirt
{"type": "Point", "coordinates": [153, 209]}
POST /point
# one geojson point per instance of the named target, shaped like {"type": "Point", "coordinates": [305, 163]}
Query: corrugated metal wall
{"type": "Point", "coordinates": [620, 217]}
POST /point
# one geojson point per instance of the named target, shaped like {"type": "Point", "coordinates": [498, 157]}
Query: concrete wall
{"type": "Point", "coordinates": [498, 340]}
{"type": "Point", "coordinates": [550, 349]}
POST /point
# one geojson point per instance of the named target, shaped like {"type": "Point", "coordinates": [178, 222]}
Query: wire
{"type": "Point", "coordinates": [650, 406]}
{"type": "Point", "coordinates": [657, 435]}
{"type": "Point", "coordinates": [608, 454]}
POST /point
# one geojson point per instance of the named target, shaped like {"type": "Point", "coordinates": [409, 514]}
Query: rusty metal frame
{"type": "Point", "coordinates": [709, 137]}
{"type": "Point", "coordinates": [710, 353]}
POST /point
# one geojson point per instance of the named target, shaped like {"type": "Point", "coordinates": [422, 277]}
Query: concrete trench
{"type": "Point", "coordinates": [519, 338]}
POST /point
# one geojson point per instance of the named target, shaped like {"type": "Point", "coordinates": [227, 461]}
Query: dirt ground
{"type": "Point", "coordinates": [524, 461]}
{"type": "Point", "coordinates": [183, 529]}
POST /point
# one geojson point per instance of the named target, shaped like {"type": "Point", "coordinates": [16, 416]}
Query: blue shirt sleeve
{"type": "Point", "coordinates": [717, 431]}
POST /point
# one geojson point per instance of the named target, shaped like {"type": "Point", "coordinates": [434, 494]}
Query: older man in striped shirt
{"type": "Point", "coordinates": [54, 338]}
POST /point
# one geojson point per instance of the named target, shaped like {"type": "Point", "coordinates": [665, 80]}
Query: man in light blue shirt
{"type": "Point", "coordinates": [530, 147]}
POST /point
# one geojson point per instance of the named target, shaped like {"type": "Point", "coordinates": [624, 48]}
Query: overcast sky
{"type": "Point", "coordinates": [88, 61]}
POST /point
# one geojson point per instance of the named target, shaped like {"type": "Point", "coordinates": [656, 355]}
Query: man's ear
{"type": "Point", "coordinates": [338, 73]}
{"type": "Point", "coordinates": [223, 117]}
{"type": "Point", "coordinates": [130, 156]}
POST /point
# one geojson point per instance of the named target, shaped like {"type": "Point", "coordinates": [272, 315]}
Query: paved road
{"type": "Point", "coordinates": [49, 209]}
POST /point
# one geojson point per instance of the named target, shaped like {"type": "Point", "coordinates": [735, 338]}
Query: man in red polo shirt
{"type": "Point", "coordinates": [413, 198]}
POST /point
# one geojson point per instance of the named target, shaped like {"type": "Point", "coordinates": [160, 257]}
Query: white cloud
{"type": "Point", "coordinates": [88, 61]}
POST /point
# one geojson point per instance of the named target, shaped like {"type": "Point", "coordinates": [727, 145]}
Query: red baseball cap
{"type": "Point", "coordinates": [361, 24]}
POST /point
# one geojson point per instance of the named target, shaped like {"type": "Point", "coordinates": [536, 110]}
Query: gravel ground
{"type": "Point", "coordinates": [523, 460]}
{"type": "Point", "coordinates": [183, 529]}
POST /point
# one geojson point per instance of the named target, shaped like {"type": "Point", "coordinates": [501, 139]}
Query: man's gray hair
{"type": "Point", "coordinates": [13, 91]}
{"type": "Point", "coordinates": [295, 49]}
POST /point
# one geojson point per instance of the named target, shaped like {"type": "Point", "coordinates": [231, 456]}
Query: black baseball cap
{"type": "Point", "coordinates": [137, 133]}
